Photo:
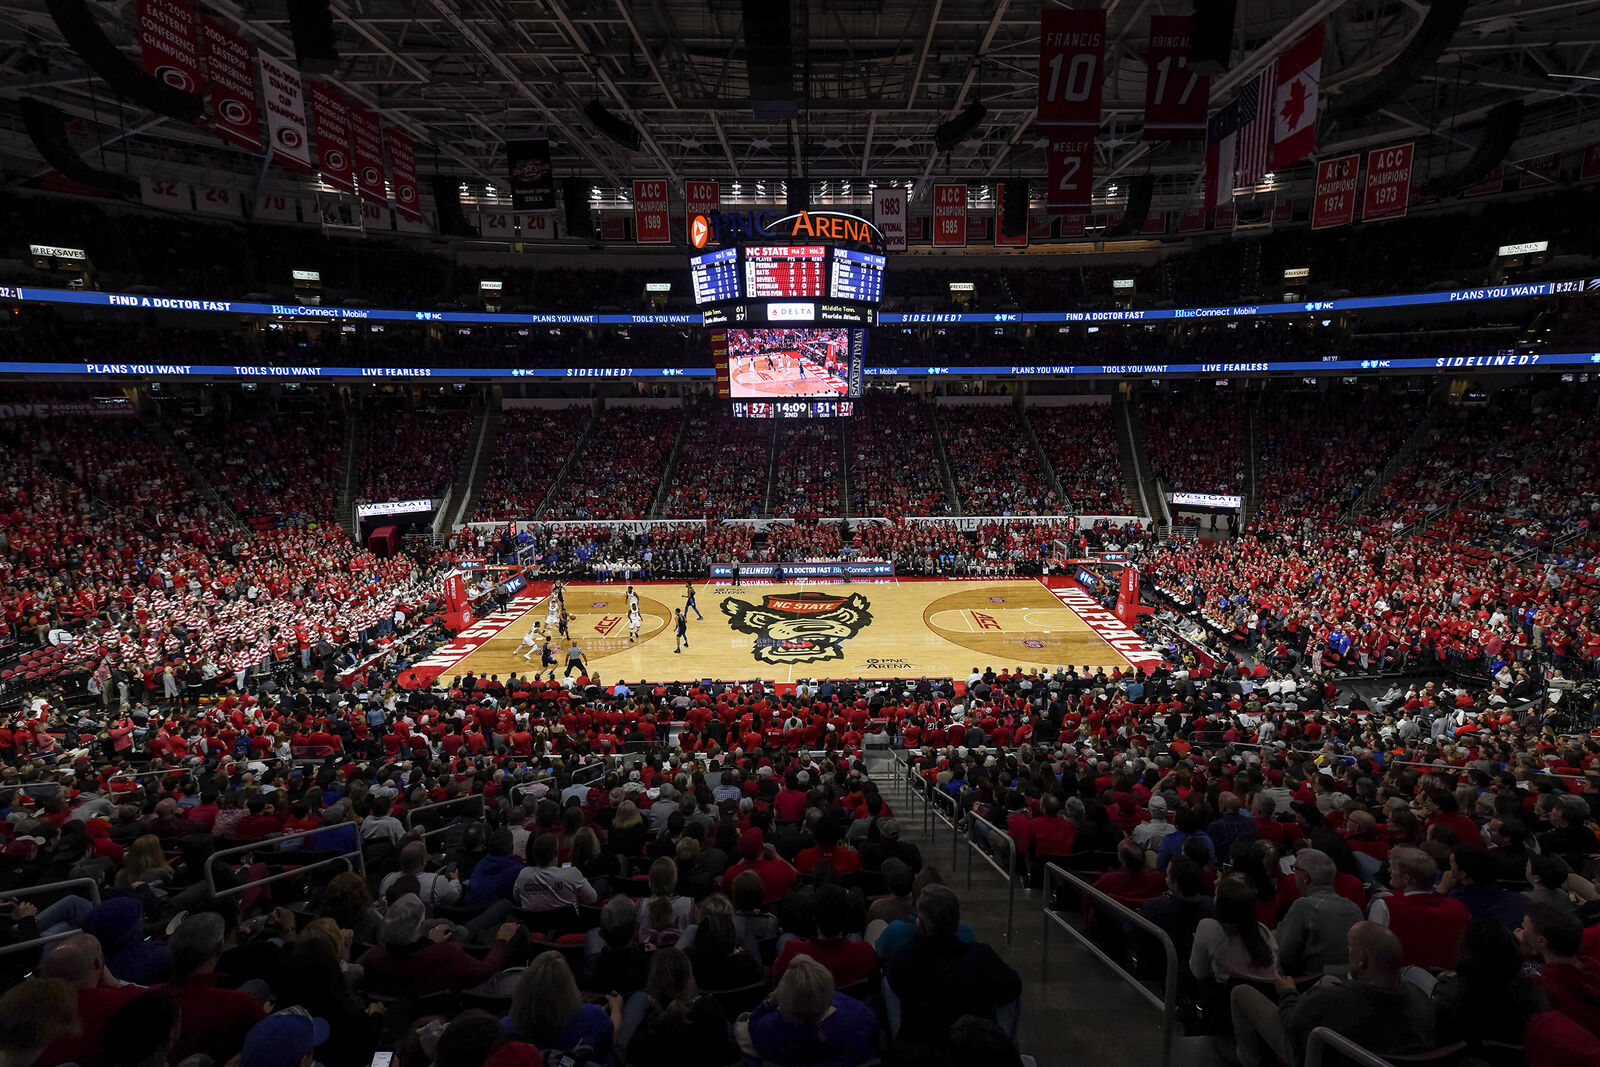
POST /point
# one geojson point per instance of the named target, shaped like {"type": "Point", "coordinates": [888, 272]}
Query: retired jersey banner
{"type": "Point", "coordinates": [699, 198]}
{"type": "Point", "coordinates": [1002, 238]}
{"type": "Point", "coordinates": [651, 223]}
{"type": "Point", "coordinates": [403, 170]}
{"type": "Point", "coordinates": [167, 44]}
{"type": "Point", "coordinates": [1388, 192]}
{"type": "Point", "coordinates": [231, 64]}
{"type": "Point", "coordinates": [949, 216]}
{"type": "Point", "coordinates": [536, 227]}
{"type": "Point", "coordinates": [1072, 48]}
{"type": "Point", "coordinates": [286, 114]}
{"type": "Point", "coordinates": [1335, 200]}
{"type": "Point", "coordinates": [165, 193]}
{"type": "Point", "coordinates": [890, 215]}
{"type": "Point", "coordinates": [533, 183]}
{"type": "Point", "coordinates": [1540, 170]}
{"type": "Point", "coordinates": [1069, 170]}
{"type": "Point", "coordinates": [1193, 220]}
{"type": "Point", "coordinates": [332, 130]}
{"type": "Point", "coordinates": [1175, 97]}
{"type": "Point", "coordinates": [499, 225]}
{"type": "Point", "coordinates": [219, 200]}
{"type": "Point", "coordinates": [1488, 185]}
{"type": "Point", "coordinates": [366, 147]}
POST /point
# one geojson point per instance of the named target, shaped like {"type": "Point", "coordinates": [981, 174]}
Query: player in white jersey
{"type": "Point", "coordinates": [552, 614]}
{"type": "Point", "coordinates": [530, 641]}
{"type": "Point", "coordinates": [633, 599]}
{"type": "Point", "coordinates": [635, 620]}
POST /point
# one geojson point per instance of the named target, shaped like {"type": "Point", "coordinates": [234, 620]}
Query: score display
{"type": "Point", "coordinates": [716, 276]}
{"type": "Point", "coordinates": [783, 271]}
{"type": "Point", "coordinates": [794, 409]}
{"type": "Point", "coordinates": [856, 276]}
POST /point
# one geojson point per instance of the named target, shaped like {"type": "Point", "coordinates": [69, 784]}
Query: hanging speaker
{"type": "Point", "coordinates": [311, 26]}
{"type": "Point", "coordinates": [575, 199]}
{"type": "Point", "coordinates": [1140, 189]}
{"type": "Point", "coordinates": [84, 36]}
{"type": "Point", "coordinates": [1014, 215]}
{"type": "Point", "coordinates": [612, 127]}
{"type": "Point", "coordinates": [1211, 36]}
{"type": "Point", "coordinates": [48, 130]}
{"type": "Point", "coordinates": [949, 134]}
{"type": "Point", "coordinates": [1419, 53]}
{"type": "Point", "coordinates": [769, 59]}
{"type": "Point", "coordinates": [1500, 129]}
{"type": "Point", "coordinates": [447, 202]}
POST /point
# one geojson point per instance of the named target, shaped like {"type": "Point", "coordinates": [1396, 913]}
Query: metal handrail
{"type": "Point", "coordinates": [479, 797]}
{"type": "Point", "coordinates": [90, 884]}
{"type": "Point", "coordinates": [1322, 1038]}
{"type": "Point", "coordinates": [1009, 870]}
{"type": "Point", "coordinates": [954, 821]}
{"type": "Point", "coordinates": [271, 844]}
{"type": "Point", "coordinates": [1167, 1003]}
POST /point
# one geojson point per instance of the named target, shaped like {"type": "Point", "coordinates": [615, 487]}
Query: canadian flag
{"type": "Point", "coordinates": [1294, 103]}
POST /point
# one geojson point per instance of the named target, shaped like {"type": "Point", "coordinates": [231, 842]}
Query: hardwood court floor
{"type": "Point", "coordinates": [867, 629]}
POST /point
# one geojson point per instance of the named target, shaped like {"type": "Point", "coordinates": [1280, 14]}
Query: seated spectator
{"type": "Point", "coordinates": [828, 846]}
{"type": "Point", "coordinates": [679, 1018]}
{"type": "Point", "coordinates": [34, 1015]}
{"type": "Point", "coordinates": [665, 915]}
{"type": "Point", "coordinates": [1311, 938]}
{"type": "Point", "coordinates": [719, 959]}
{"type": "Point", "coordinates": [753, 923]}
{"type": "Point", "coordinates": [475, 1039]}
{"type": "Point", "coordinates": [1188, 825]}
{"type": "Point", "coordinates": [78, 961]}
{"type": "Point", "coordinates": [1180, 910]}
{"type": "Point", "coordinates": [544, 885]}
{"type": "Point", "coordinates": [614, 960]}
{"type": "Point", "coordinates": [1487, 998]}
{"type": "Point", "coordinates": [1372, 1006]}
{"type": "Point", "coordinates": [548, 1012]}
{"type": "Point", "coordinates": [806, 1023]}
{"type": "Point", "coordinates": [1552, 936]}
{"type": "Point", "coordinates": [1472, 880]}
{"type": "Point", "coordinates": [494, 876]}
{"type": "Point", "coordinates": [755, 854]}
{"type": "Point", "coordinates": [1133, 883]}
{"type": "Point", "coordinates": [1428, 924]}
{"type": "Point", "coordinates": [348, 902]}
{"type": "Point", "coordinates": [322, 986]}
{"type": "Point", "coordinates": [900, 933]}
{"type": "Point", "coordinates": [897, 879]}
{"type": "Point", "coordinates": [288, 1038]}
{"type": "Point", "coordinates": [849, 960]}
{"type": "Point", "coordinates": [1049, 833]}
{"type": "Point", "coordinates": [432, 887]}
{"type": "Point", "coordinates": [1233, 943]}
{"type": "Point", "coordinates": [144, 1031]}
{"type": "Point", "coordinates": [939, 977]}
{"type": "Point", "coordinates": [118, 924]}
{"type": "Point", "coordinates": [890, 846]}
{"type": "Point", "coordinates": [411, 963]}
{"type": "Point", "coordinates": [215, 1020]}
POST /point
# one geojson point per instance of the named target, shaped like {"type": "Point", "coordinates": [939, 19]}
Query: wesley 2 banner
{"type": "Point", "coordinates": [533, 183]}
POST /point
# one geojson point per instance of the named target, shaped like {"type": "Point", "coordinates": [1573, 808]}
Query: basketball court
{"type": "Point", "coordinates": [867, 629]}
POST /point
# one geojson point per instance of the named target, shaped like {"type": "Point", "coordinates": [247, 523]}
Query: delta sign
{"type": "Point", "coordinates": [835, 227]}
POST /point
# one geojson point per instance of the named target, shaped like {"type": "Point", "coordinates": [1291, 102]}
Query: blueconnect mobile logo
{"type": "Point", "coordinates": [1375, 364]}
{"type": "Point", "coordinates": [429, 316]}
{"type": "Point", "coordinates": [1595, 358]}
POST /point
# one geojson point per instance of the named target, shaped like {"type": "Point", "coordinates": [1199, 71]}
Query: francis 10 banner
{"type": "Point", "coordinates": [1072, 48]}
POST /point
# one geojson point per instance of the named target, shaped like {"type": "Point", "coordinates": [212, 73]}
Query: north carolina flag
{"type": "Point", "coordinates": [1294, 103]}
{"type": "Point", "coordinates": [1222, 132]}
{"type": "Point", "coordinates": [1239, 140]}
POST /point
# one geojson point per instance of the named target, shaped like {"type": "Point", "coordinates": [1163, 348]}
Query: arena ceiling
{"type": "Point", "coordinates": [879, 76]}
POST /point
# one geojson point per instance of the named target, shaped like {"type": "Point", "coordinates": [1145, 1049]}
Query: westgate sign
{"type": "Point", "coordinates": [838, 226]}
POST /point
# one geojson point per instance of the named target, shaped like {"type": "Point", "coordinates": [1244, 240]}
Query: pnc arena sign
{"type": "Point", "coordinates": [839, 227]}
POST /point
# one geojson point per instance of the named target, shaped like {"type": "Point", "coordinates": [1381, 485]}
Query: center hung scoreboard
{"type": "Point", "coordinates": [789, 304]}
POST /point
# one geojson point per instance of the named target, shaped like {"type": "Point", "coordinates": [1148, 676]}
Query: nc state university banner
{"type": "Point", "coordinates": [651, 223]}
{"type": "Point", "coordinates": [699, 198]}
{"type": "Point", "coordinates": [1072, 48]}
{"type": "Point", "coordinates": [1388, 193]}
{"type": "Point", "coordinates": [366, 145]}
{"type": "Point", "coordinates": [1335, 200]}
{"type": "Point", "coordinates": [332, 130]}
{"type": "Point", "coordinates": [889, 213]}
{"type": "Point", "coordinates": [1002, 237]}
{"type": "Point", "coordinates": [403, 169]}
{"type": "Point", "coordinates": [167, 45]}
{"type": "Point", "coordinates": [533, 183]}
{"type": "Point", "coordinates": [286, 114]}
{"type": "Point", "coordinates": [1069, 170]}
{"type": "Point", "coordinates": [1175, 97]}
{"type": "Point", "coordinates": [231, 62]}
{"type": "Point", "coordinates": [949, 216]}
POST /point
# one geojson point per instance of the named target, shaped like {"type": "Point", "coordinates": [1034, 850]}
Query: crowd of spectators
{"type": "Point", "coordinates": [621, 467]}
{"type": "Point", "coordinates": [806, 476]}
{"type": "Point", "coordinates": [266, 475]}
{"type": "Point", "coordinates": [1081, 444]}
{"type": "Point", "coordinates": [411, 453]}
{"type": "Point", "coordinates": [1195, 444]}
{"type": "Point", "coordinates": [995, 466]}
{"type": "Point", "coordinates": [528, 453]}
{"type": "Point", "coordinates": [722, 470]}
{"type": "Point", "coordinates": [895, 469]}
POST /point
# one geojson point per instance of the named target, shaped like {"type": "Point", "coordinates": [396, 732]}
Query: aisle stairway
{"type": "Point", "coordinates": [1063, 505]}
{"type": "Point", "coordinates": [1136, 472]}
{"type": "Point", "coordinates": [474, 469]}
{"type": "Point", "coordinates": [945, 476]}
{"type": "Point", "coordinates": [562, 476]}
{"type": "Point", "coordinates": [345, 507]}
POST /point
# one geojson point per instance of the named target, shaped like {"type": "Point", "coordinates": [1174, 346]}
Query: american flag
{"type": "Point", "coordinates": [1253, 153]}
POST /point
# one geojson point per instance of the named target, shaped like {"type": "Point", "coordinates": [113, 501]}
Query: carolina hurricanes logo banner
{"type": "Point", "coordinates": [231, 62]}
{"type": "Point", "coordinates": [403, 167]}
{"type": "Point", "coordinates": [286, 114]}
{"type": "Point", "coordinates": [366, 144]}
{"type": "Point", "coordinates": [332, 119]}
{"type": "Point", "coordinates": [807, 627]}
{"type": "Point", "coordinates": [167, 44]}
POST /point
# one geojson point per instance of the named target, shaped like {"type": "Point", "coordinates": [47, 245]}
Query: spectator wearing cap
{"type": "Point", "coordinates": [1149, 834]}
{"type": "Point", "coordinates": [286, 1038]}
{"type": "Point", "coordinates": [215, 1020]}
{"type": "Point", "coordinates": [755, 854]}
{"type": "Point", "coordinates": [1428, 923]}
{"type": "Point", "coordinates": [1311, 937]}
{"type": "Point", "coordinates": [890, 846]}
{"type": "Point", "coordinates": [118, 924]}
{"type": "Point", "coordinates": [849, 961]}
{"type": "Point", "coordinates": [939, 977]}
{"type": "Point", "coordinates": [409, 963]}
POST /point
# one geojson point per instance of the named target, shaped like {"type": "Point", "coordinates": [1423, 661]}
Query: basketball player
{"type": "Point", "coordinates": [565, 620]}
{"type": "Point", "coordinates": [635, 620]}
{"type": "Point", "coordinates": [530, 641]}
{"type": "Point", "coordinates": [633, 598]}
{"type": "Point", "coordinates": [688, 588]}
{"type": "Point", "coordinates": [547, 656]}
{"type": "Point", "coordinates": [552, 612]}
{"type": "Point", "coordinates": [683, 631]}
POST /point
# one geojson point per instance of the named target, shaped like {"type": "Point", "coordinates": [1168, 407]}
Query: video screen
{"type": "Point", "coordinates": [716, 276]}
{"type": "Point", "coordinates": [794, 363]}
{"type": "Point", "coordinates": [784, 272]}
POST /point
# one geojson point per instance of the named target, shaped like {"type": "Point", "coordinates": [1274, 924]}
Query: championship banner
{"type": "Point", "coordinates": [1282, 211]}
{"type": "Point", "coordinates": [949, 216]}
{"type": "Point", "coordinates": [1069, 170]}
{"type": "Point", "coordinates": [1155, 224]}
{"type": "Point", "coordinates": [1002, 239]}
{"type": "Point", "coordinates": [1225, 216]}
{"type": "Point", "coordinates": [1071, 226]}
{"type": "Point", "coordinates": [1335, 200]}
{"type": "Point", "coordinates": [533, 183]}
{"type": "Point", "coordinates": [403, 172]}
{"type": "Point", "coordinates": [230, 62]}
{"type": "Point", "coordinates": [889, 214]}
{"type": "Point", "coordinates": [1540, 170]}
{"type": "Point", "coordinates": [651, 223]}
{"type": "Point", "coordinates": [613, 228]}
{"type": "Point", "coordinates": [167, 45]}
{"type": "Point", "coordinates": [366, 148]}
{"type": "Point", "coordinates": [1590, 168]}
{"type": "Point", "coordinates": [1488, 185]}
{"type": "Point", "coordinates": [1175, 97]}
{"type": "Point", "coordinates": [332, 129]}
{"type": "Point", "coordinates": [1388, 192]}
{"type": "Point", "coordinates": [1072, 47]}
{"type": "Point", "coordinates": [699, 198]}
{"type": "Point", "coordinates": [286, 113]}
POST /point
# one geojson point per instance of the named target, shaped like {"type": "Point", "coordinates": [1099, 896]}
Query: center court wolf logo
{"type": "Point", "coordinates": [805, 627]}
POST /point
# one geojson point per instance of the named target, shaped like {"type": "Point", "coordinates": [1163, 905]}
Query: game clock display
{"type": "Point", "coordinates": [794, 409]}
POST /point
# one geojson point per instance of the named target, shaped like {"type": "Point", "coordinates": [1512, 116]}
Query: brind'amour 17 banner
{"type": "Point", "coordinates": [1388, 192]}
{"type": "Point", "coordinates": [403, 168]}
{"type": "Point", "coordinates": [286, 113]}
{"type": "Point", "coordinates": [231, 64]}
{"type": "Point", "coordinates": [949, 216]}
{"type": "Point", "coordinates": [1175, 97]}
{"type": "Point", "coordinates": [1069, 169]}
{"type": "Point", "coordinates": [651, 223]}
{"type": "Point", "coordinates": [332, 119]}
{"type": "Point", "coordinates": [1072, 48]}
{"type": "Point", "coordinates": [1335, 201]}
{"type": "Point", "coordinates": [167, 44]}
{"type": "Point", "coordinates": [1002, 238]}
